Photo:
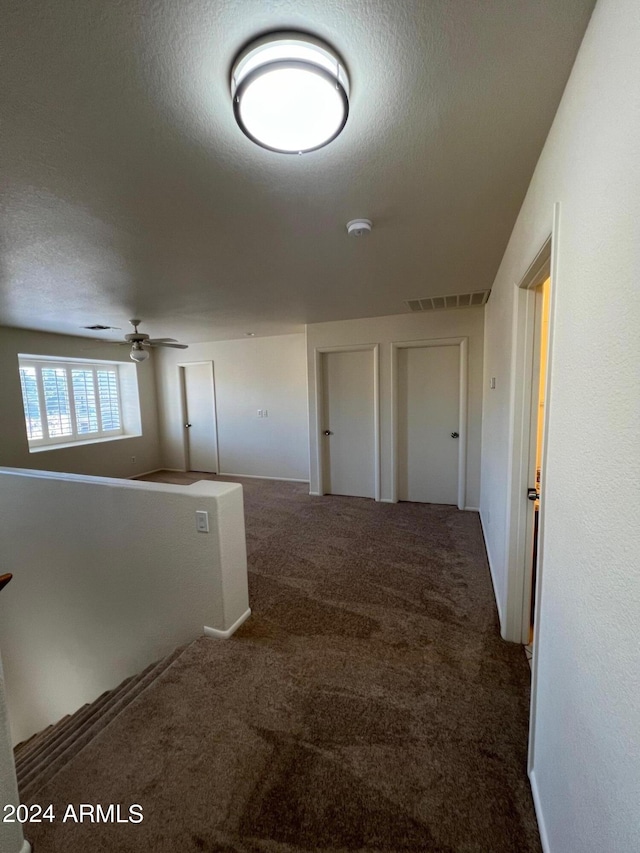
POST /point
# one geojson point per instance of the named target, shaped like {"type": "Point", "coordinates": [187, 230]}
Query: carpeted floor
{"type": "Point", "coordinates": [369, 703]}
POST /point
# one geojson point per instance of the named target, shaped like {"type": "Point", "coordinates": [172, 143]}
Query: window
{"type": "Point", "coordinates": [67, 402]}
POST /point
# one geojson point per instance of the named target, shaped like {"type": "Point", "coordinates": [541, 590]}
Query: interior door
{"type": "Point", "coordinates": [536, 436]}
{"type": "Point", "coordinates": [200, 417]}
{"type": "Point", "coordinates": [348, 431]}
{"type": "Point", "coordinates": [428, 423]}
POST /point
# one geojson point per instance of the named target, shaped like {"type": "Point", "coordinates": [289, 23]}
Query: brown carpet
{"type": "Point", "coordinates": [369, 703]}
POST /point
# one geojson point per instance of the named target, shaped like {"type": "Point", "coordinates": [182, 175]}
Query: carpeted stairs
{"type": "Point", "coordinates": [45, 753]}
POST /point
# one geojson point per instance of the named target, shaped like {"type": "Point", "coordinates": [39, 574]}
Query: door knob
{"type": "Point", "coordinates": [187, 425]}
{"type": "Point", "coordinates": [533, 494]}
{"type": "Point", "coordinates": [455, 435]}
{"type": "Point", "coordinates": [328, 432]}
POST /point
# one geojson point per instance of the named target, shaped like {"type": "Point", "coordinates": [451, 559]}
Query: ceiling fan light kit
{"type": "Point", "coordinates": [290, 92]}
{"type": "Point", "coordinates": [141, 344]}
{"type": "Point", "coordinates": [138, 353]}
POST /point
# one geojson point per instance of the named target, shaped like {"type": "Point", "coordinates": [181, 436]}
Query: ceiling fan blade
{"type": "Point", "coordinates": [165, 344]}
{"type": "Point", "coordinates": [162, 340]}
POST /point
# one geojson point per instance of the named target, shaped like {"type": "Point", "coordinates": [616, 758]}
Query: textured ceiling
{"type": "Point", "coordinates": [127, 188]}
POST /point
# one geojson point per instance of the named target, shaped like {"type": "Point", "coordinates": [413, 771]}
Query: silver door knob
{"type": "Point", "coordinates": [187, 426]}
{"type": "Point", "coordinates": [455, 435]}
{"type": "Point", "coordinates": [328, 432]}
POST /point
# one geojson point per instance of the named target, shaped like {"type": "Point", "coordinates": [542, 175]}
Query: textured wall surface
{"type": "Point", "coordinates": [104, 459]}
{"type": "Point", "coordinates": [586, 758]}
{"type": "Point", "coordinates": [463, 322]}
{"type": "Point", "coordinates": [250, 374]}
{"type": "Point", "coordinates": [109, 575]}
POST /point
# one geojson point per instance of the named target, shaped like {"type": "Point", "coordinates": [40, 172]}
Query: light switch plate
{"type": "Point", "coordinates": [202, 521]}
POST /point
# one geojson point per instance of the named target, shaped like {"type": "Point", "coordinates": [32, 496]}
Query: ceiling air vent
{"type": "Point", "coordinates": [99, 328]}
{"type": "Point", "coordinates": [456, 300]}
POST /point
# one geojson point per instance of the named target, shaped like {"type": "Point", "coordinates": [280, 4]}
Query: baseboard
{"type": "Point", "coordinates": [315, 494]}
{"type": "Point", "coordinates": [224, 635]}
{"type": "Point", "coordinates": [544, 838]}
{"type": "Point", "coordinates": [262, 477]}
{"type": "Point", "coordinates": [492, 573]}
{"type": "Point", "coordinates": [387, 501]}
{"type": "Point", "coordinates": [146, 473]}
{"type": "Point", "coordinates": [472, 509]}
{"type": "Point", "coordinates": [26, 847]}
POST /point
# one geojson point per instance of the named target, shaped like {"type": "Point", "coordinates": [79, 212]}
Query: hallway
{"type": "Point", "coordinates": [368, 704]}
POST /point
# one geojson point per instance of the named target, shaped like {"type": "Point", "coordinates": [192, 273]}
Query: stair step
{"type": "Point", "coordinates": [26, 746]}
{"type": "Point", "coordinates": [25, 758]}
{"type": "Point", "coordinates": [77, 733]}
{"type": "Point", "coordinates": [24, 755]}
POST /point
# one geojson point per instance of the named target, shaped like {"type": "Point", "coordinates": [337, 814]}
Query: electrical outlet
{"type": "Point", "coordinates": [133, 458]}
{"type": "Point", "coordinates": [492, 384]}
{"type": "Point", "coordinates": [265, 413]}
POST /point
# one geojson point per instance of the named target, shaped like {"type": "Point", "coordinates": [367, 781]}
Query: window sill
{"type": "Point", "coordinates": [65, 446]}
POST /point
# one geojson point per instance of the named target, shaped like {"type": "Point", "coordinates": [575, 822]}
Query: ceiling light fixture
{"type": "Point", "coordinates": [290, 93]}
{"type": "Point", "coordinates": [138, 353]}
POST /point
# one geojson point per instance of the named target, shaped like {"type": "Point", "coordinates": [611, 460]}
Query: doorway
{"type": "Point", "coordinates": [429, 421]}
{"type": "Point", "coordinates": [536, 441]}
{"type": "Point", "coordinates": [199, 417]}
{"type": "Point", "coordinates": [428, 424]}
{"type": "Point", "coordinates": [527, 446]}
{"type": "Point", "coordinates": [348, 421]}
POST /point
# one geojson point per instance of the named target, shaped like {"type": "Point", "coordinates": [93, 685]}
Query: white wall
{"type": "Point", "coordinates": [109, 575]}
{"type": "Point", "coordinates": [461, 322]}
{"type": "Point", "coordinates": [586, 761]}
{"type": "Point", "coordinates": [11, 836]}
{"type": "Point", "coordinates": [109, 459]}
{"type": "Point", "coordinates": [250, 374]}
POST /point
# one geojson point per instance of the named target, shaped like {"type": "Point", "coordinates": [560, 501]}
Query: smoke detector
{"type": "Point", "coordinates": [359, 227]}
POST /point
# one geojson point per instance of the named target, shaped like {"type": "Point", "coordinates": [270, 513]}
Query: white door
{"type": "Point", "coordinates": [428, 414]}
{"type": "Point", "coordinates": [200, 418]}
{"type": "Point", "coordinates": [348, 416]}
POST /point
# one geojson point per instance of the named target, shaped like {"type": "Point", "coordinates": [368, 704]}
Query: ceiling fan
{"type": "Point", "coordinates": [141, 343]}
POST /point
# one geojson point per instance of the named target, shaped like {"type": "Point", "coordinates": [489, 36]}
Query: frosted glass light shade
{"type": "Point", "coordinates": [290, 93]}
{"type": "Point", "coordinates": [138, 354]}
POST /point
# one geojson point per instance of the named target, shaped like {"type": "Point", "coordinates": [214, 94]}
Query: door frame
{"type": "Point", "coordinates": [319, 401]}
{"type": "Point", "coordinates": [463, 345]}
{"type": "Point", "coordinates": [519, 563]}
{"type": "Point", "coordinates": [183, 412]}
{"type": "Point", "coordinates": [519, 525]}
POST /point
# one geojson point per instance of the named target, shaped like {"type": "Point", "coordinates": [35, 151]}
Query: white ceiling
{"type": "Point", "coordinates": [127, 188]}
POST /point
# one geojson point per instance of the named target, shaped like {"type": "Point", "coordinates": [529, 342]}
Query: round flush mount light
{"type": "Point", "coordinates": [290, 93]}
